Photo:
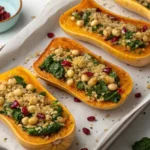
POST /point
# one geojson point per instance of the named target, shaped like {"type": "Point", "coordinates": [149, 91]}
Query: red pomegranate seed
{"type": "Point", "coordinates": [124, 30]}
{"type": "Point", "coordinates": [50, 35]}
{"type": "Point", "coordinates": [84, 149]}
{"type": "Point", "coordinates": [138, 95]}
{"type": "Point", "coordinates": [107, 70]}
{"type": "Point", "coordinates": [15, 104]}
{"type": "Point", "coordinates": [144, 28]}
{"type": "Point", "coordinates": [66, 63]}
{"type": "Point", "coordinates": [25, 111]}
{"type": "Point", "coordinates": [77, 100]}
{"type": "Point", "coordinates": [86, 131]}
{"type": "Point", "coordinates": [98, 10]}
{"type": "Point", "coordinates": [119, 91]}
{"type": "Point", "coordinates": [91, 118]}
{"type": "Point", "coordinates": [40, 116]}
{"type": "Point", "coordinates": [114, 39]}
{"type": "Point", "coordinates": [89, 74]}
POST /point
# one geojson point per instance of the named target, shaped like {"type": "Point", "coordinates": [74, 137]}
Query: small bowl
{"type": "Point", "coordinates": [14, 8]}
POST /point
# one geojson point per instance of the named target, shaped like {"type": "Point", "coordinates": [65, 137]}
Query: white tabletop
{"type": "Point", "coordinates": [140, 126]}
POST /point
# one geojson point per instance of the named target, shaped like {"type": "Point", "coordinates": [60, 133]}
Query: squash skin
{"type": "Point", "coordinates": [61, 140]}
{"type": "Point", "coordinates": [126, 81]}
{"type": "Point", "coordinates": [135, 7]}
{"type": "Point", "coordinates": [73, 30]}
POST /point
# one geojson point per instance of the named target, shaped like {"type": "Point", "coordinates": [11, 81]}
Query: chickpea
{"type": "Point", "coordinates": [112, 87]}
{"type": "Point", "coordinates": [11, 94]}
{"type": "Point", "coordinates": [32, 109]}
{"type": "Point", "coordinates": [92, 81]}
{"type": "Point", "coordinates": [94, 23]}
{"type": "Point", "coordinates": [145, 38]}
{"type": "Point", "coordinates": [18, 92]}
{"type": "Point", "coordinates": [70, 81]}
{"type": "Point", "coordinates": [1, 101]}
{"type": "Point", "coordinates": [72, 18]}
{"type": "Point", "coordinates": [116, 32]}
{"type": "Point", "coordinates": [59, 51]}
{"type": "Point", "coordinates": [109, 79]}
{"type": "Point", "coordinates": [30, 87]}
{"type": "Point", "coordinates": [84, 78]}
{"type": "Point", "coordinates": [33, 120]}
{"type": "Point", "coordinates": [80, 23]}
{"type": "Point", "coordinates": [75, 52]}
{"type": "Point", "coordinates": [109, 29]}
{"type": "Point", "coordinates": [138, 35]}
{"type": "Point", "coordinates": [106, 33]}
{"type": "Point", "coordinates": [12, 81]}
{"type": "Point", "coordinates": [25, 120]}
{"type": "Point", "coordinates": [70, 73]}
{"type": "Point", "coordinates": [33, 100]}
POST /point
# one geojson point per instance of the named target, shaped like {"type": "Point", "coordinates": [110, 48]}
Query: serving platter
{"type": "Point", "coordinates": [25, 48]}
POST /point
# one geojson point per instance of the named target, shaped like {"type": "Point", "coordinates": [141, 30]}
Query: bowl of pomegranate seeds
{"type": "Point", "coordinates": [9, 13]}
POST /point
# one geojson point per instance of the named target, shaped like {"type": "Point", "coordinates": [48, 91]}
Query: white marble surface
{"type": "Point", "coordinates": [140, 126]}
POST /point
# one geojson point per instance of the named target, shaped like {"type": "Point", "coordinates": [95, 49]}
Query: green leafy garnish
{"type": "Point", "coordinates": [86, 17]}
{"type": "Point", "coordinates": [114, 75]}
{"type": "Point", "coordinates": [143, 144]}
{"type": "Point", "coordinates": [17, 115]}
{"type": "Point", "coordinates": [112, 96]}
{"type": "Point", "coordinates": [128, 35]}
{"type": "Point", "coordinates": [20, 81]}
{"type": "Point", "coordinates": [109, 37]}
{"type": "Point", "coordinates": [80, 85]}
{"type": "Point", "coordinates": [136, 44]}
{"type": "Point", "coordinates": [43, 93]}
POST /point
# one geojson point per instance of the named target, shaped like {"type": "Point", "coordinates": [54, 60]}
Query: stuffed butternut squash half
{"type": "Point", "coordinates": [126, 39]}
{"type": "Point", "coordinates": [142, 7]}
{"type": "Point", "coordinates": [68, 65]}
{"type": "Point", "coordinates": [38, 120]}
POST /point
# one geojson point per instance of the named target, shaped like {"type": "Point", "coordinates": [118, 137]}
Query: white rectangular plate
{"type": "Point", "coordinates": [34, 38]}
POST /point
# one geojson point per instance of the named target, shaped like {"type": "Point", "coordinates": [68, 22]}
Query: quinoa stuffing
{"type": "Point", "coordinates": [31, 110]}
{"type": "Point", "coordinates": [82, 71]}
{"type": "Point", "coordinates": [145, 3]}
{"type": "Point", "coordinates": [133, 38]}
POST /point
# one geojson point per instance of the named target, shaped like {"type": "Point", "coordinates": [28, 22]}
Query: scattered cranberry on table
{"type": "Point", "coordinates": [4, 14]}
{"type": "Point", "coordinates": [86, 131]}
{"type": "Point", "coordinates": [91, 118]}
{"type": "Point", "coordinates": [50, 35]}
{"type": "Point", "coordinates": [77, 100]}
{"type": "Point", "coordinates": [138, 95]}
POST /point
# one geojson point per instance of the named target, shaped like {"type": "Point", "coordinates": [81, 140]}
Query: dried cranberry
{"type": "Point", "coordinates": [25, 111]}
{"type": "Point", "coordinates": [15, 104]}
{"type": "Point", "coordinates": [66, 63]}
{"type": "Point", "coordinates": [86, 131]}
{"type": "Point", "coordinates": [124, 30]}
{"type": "Point", "coordinates": [77, 100]}
{"type": "Point", "coordinates": [114, 39]}
{"type": "Point", "coordinates": [40, 116]}
{"type": "Point", "coordinates": [98, 10]}
{"type": "Point", "coordinates": [119, 91]}
{"type": "Point", "coordinates": [91, 118]}
{"type": "Point", "coordinates": [89, 74]}
{"type": "Point", "coordinates": [107, 70]}
{"type": "Point", "coordinates": [138, 95]}
{"type": "Point", "coordinates": [144, 28]}
{"type": "Point", "coordinates": [1, 8]}
{"type": "Point", "coordinates": [84, 149]}
{"type": "Point", "coordinates": [50, 35]}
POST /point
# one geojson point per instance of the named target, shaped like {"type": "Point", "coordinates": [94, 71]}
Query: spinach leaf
{"type": "Point", "coordinates": [114, 75]}
{"type": "Point", "coordinates": [76, 15]}
{"type": "Point", "coordinates": [43, 93]}
{"type": "Point", "coordinates": [49, 129]}
{"type": "Point", "coordinates": [100, 88]}
{"type": "Point", "coordinates": [109, 37]}
{"type": "Point", "coordinates": [112, 96]}
{"type": "Point", "coordinates": [20, 81]}
{"type": "Point", "coordinates": [136, 44]}
{"type": "Point", "coordinates": [86, 17]}
{"type": "Point", "coordinates": [80, 85]}
{"type": "Point", "coordinates": [17, 115]}
{"type": "Point", "coordinates": [128, 35]}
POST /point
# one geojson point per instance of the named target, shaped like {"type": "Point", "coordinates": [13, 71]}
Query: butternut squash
{"type": "Point", "coordinates": [125, 80]}
{"type": "Point", "coordinates": [117, 50]}
{"type": "Point", "coordinates": [136, 7]}
{"type": "Point", "coordinates": [57, 141]}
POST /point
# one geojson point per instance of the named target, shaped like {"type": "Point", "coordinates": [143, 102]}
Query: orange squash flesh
{"type": "Point", "coordinates": [117, 51]}
{"type": "Point", "coordinates": [58, 141]}
{"type": "Point", "coordinates": [126, 82]}
{"type": "Point", "coordinates": [136, 7]}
